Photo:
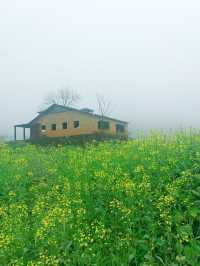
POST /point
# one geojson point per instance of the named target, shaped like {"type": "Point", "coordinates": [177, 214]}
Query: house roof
{"type": "Point", "coordinates": [56, 108]}
{"type": "Point", "coordinates": [23, 125]}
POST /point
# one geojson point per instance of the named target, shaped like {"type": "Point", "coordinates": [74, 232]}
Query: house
{"type": "Point", "coordinates": [61, 121]}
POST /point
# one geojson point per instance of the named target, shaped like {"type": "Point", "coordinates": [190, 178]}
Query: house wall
{"type": "Point", "coordinates": [35, 131]}
{"type": "Point", "coordinates": [88, 125]}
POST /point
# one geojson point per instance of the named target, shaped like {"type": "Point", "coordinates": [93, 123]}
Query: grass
{"type": "Point", "coordinates": [113, 203]}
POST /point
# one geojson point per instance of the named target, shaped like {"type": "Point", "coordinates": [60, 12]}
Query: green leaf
{"type": "Point", "coordinates": [194, 211]}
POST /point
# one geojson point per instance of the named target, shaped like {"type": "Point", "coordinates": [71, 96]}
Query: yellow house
{"type": "Point", "coordinates": [61, 121]}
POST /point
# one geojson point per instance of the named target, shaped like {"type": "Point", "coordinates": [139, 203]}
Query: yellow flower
{"type": "Point", "coordinates": [30, 174]}
{"type": "Point", "coordinates": [5, 240]}
{"type": "Point", "coordinates": [12, 194]}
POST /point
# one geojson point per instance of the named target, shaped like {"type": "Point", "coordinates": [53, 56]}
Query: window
{"type": "Point", "coordinates": [76, 124]}
{"type": "Point", "coordinates": [44, 128]}
{"type": "Point", "coordinates": [64, 125]}
{"type": "Point", "coordinates": [103, 125]}
{"type": "Point", "coordinates": [53, 127]}
{"type": "Point", "coordinates": [120, 128]}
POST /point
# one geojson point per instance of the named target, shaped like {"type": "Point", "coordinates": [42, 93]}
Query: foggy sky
{"type": "Point", "coordinates": [143, 55]}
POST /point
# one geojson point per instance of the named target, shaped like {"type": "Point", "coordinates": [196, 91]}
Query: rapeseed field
{"type": "Point", "coordinates": [110, 203]}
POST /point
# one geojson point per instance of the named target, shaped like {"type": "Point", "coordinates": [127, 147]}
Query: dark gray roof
{"type": "Point", "coordinates": [55, 108]}
{"type": "Point", "coordinates": [23, 125]}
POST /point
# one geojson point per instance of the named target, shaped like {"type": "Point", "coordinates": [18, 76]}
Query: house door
{"type": "Point", "coordinates": [35, 131]}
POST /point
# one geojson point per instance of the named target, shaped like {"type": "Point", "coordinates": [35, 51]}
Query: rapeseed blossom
{"type": "Point", "coordinates": [113, 203]}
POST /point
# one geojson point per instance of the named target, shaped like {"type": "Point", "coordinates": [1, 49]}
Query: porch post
{"type": "Point", "coordinates": [15, 133]}
{"type": "Point", "coordinates": [24, 133]}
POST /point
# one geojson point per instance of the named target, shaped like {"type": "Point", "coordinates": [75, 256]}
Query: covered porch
{"type": "Point", "coordinates": [24, 127]}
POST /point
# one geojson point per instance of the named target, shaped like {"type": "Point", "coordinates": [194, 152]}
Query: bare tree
{"type": "Point", "coordinates": [65, 97]}
{"type": "Point", "coordinates": [104, 106]}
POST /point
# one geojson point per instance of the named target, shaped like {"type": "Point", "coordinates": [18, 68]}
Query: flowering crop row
{"type": "Point", "coordinates": [113, 203]}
